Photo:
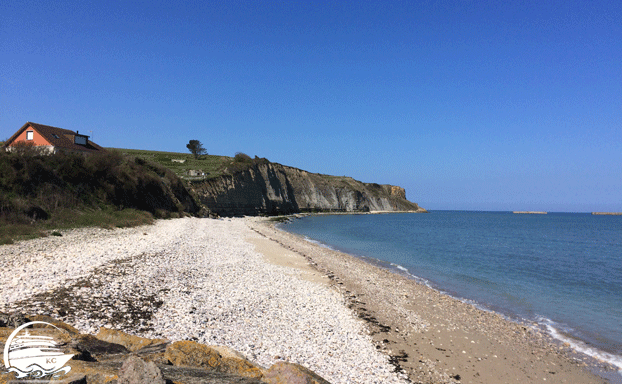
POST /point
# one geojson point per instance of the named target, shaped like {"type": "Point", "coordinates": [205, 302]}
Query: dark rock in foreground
{"type": "Point", "coordinates": [115, 357]}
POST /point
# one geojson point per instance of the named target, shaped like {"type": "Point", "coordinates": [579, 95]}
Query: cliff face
{"type": "Point", "coordinates": [276, 189]}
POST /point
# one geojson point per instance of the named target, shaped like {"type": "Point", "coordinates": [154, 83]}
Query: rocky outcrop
{"type": "Point", "coordinates": [193, 354]}
{"type": "Point", "coordinates": [137, 360]}
{"type": "Point", "coordinates": [270, 188]}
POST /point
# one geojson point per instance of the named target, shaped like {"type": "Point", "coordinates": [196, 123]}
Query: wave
{"type": "Point", "coordinates": [554, 329]}
{"type": "Point", "coordinates": [557, 331]}
{"type": "Point", "coordinates": [400, 268]}
{"type": "Point", "coordinates": [319, 243]}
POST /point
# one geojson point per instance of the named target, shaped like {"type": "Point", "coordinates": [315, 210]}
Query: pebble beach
{"type": "Point", "coordinates": [192, 279]}
{"type": "Point", "coordinates": [272, 296]}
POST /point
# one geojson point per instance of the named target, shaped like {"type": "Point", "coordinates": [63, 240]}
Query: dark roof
{"type": "Point", "coordinates": [58, 137]}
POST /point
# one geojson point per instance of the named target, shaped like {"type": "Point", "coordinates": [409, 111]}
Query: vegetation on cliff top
{"type": "Point", "coordinates": [39, 193]}
{"type": "Point", "coordinates": [187, 166]}
{"type": "Point", "coordinates": [196, 148]}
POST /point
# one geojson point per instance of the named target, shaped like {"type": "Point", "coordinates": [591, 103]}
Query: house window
{"type": "Point", "coordinates": [79, 140]}
{"type": "Point", "coordinates": [29, 135]}
{"type": "Point", "coordinates": [55, 136]}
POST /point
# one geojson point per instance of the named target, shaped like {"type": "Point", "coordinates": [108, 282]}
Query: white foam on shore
{"type": "Point", "coordinates": [319, 243]}
{"type": "Point", "coordinates": [403, 270]}
{"type": "Point", "coordinates": [580, 346]}
{"type": "Point", "coordinates": [551, 326]}
{"type": "Point", "coordinates": [577, 345]}
{"type": "Point", "coordinates": [400, 268]}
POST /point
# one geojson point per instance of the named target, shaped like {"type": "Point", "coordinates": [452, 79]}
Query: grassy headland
{"type": "Point", "coordinates": [182, 164]}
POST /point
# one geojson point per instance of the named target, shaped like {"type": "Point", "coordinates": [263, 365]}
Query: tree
{"type": "Point", "coordinates": [196, 148]}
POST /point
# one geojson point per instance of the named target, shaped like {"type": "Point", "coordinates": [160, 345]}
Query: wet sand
{"type": "Point", "coordinates": [431, 337]}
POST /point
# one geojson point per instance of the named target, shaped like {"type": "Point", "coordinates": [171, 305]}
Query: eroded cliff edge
{"type": "Point", "coordinates": [273, 188]}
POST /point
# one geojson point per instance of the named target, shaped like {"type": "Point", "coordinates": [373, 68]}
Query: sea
{"type": "Point", "coordinates": [561, 271]}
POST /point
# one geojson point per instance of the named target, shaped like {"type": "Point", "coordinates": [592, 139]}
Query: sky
{"type": "Point", "coordinates": [470, 105]}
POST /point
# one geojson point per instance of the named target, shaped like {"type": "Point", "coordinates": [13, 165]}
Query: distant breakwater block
{"type": "Point", "coordinates": [275, 189]}
{"type": "Point", "coordinates": [607, 213]}
{"type": "Point", "coordinates": [114, 356]}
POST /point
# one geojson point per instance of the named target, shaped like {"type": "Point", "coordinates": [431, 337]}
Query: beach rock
{"type": "Point", "coordinates": [94, 372]}
{"type": "Point", "coordinates": [4, 334]}
{"type": "Point", "coordinates": [6, 377]}
{"type": "Point", "coordinates": [137, 371]}
{"type": "Point", "coordinates": [76, 379]}
{"type": "Point", "coordinates": [288, 373]}
{"type": "Point", "coordinates": [132, 359]}
{"type": "Point", "coordinates": [154, 353]}
{"type": "Point", "coordinates": [60, 336]}
{"type": "Point", "coordinates": [131, 342]}
{"type": "Point", "coordinates": [227, 352]}
{"type": "Point", "coordinates": [193, 354]}
{"type": "Point", "coordinates": [91, 348]}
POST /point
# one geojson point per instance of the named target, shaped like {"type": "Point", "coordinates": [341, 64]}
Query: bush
{"type": "Point", "coordinates": [242, 158]}
{"type": "Point", "coordinates": [242, 162]}
{"type": "Point", "coordinates": [59, 188]}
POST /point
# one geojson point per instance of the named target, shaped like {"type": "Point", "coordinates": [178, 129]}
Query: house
{"type": "Point", "coordinates": [52, 139]}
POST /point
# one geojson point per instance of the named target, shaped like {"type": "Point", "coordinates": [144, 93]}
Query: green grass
{"type": "Point", "coordinates": [212, 165]}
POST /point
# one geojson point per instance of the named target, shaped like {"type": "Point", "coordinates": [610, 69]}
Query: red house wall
{"type": "Point", "coordinates": [37, 139]}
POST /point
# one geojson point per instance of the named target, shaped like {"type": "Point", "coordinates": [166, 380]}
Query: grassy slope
{"type": "Point", "coordinates": [211, 165]}
{"type": "Point", "coordinates": [41, 194]}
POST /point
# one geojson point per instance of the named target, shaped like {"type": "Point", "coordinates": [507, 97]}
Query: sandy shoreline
{"type": "Point", "coordinates": [272, 295]}
{"type": "Point", "coordinates": [435, 338]}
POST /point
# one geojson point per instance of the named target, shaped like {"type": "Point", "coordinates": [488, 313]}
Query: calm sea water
{"type": "Point", "coordinates": [562, 270]}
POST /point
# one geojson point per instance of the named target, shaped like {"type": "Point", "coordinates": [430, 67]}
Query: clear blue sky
{"type": "Point", "coordinates": [497, 105]}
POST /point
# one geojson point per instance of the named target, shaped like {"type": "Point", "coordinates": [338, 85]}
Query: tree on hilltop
{"type": "Point", "coordinates": [196, 148]}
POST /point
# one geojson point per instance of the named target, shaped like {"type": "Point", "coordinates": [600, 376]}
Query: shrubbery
{"type": "Point", "coordinates": [39, 187]}
{"type": "Point", "coordinates": [242, 158]}
{"type": "Point", "coordinates": [242, 162]}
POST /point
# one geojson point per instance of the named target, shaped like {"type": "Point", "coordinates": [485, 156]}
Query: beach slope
{"type": "Point", "coordinates": [273, 297]}
{"type": "Point", "coordinates": [432, 337]}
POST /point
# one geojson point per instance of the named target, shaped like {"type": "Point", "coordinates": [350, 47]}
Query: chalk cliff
{"type": "Point", "coordinates": [272, 188]}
